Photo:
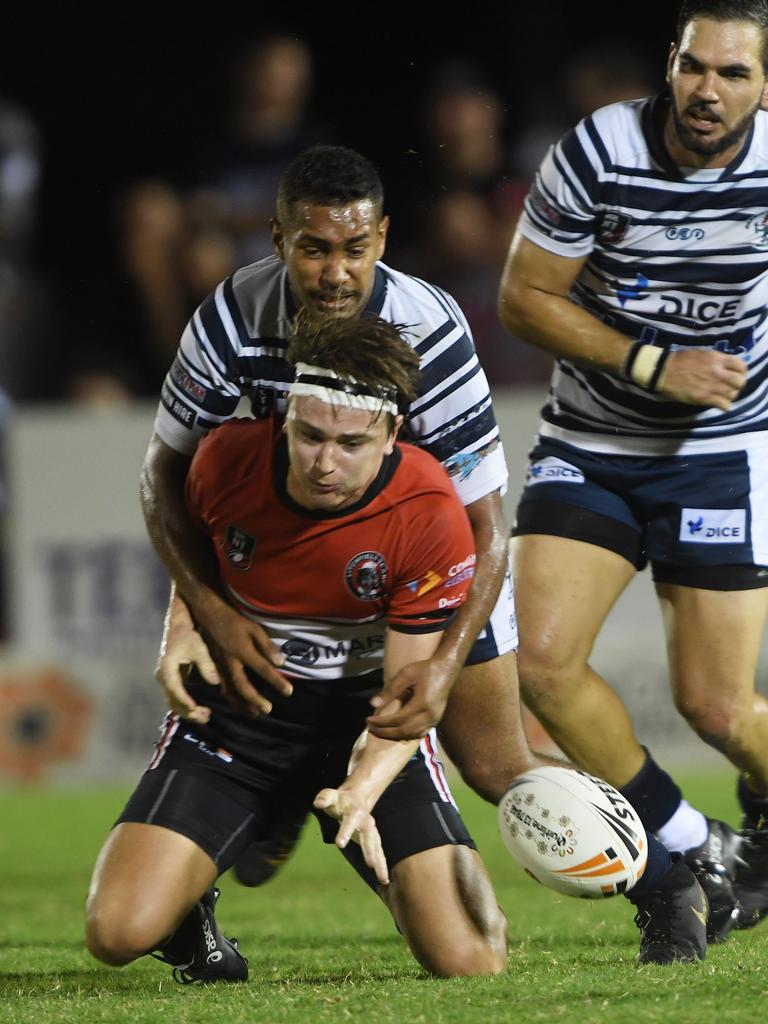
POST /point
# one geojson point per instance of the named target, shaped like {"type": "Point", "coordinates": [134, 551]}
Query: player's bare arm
{"type": "Point", "coordinates": [376, 762]}
{"type": "Point", "coordinates": [236, 640]}
{"type": "Point", "coordinates": [423, 687]}
{"type": "Point", "coordinates": [534, 305]}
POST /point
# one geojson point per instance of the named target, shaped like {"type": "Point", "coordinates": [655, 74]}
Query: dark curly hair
{"type": "Point", "coordinates": [328, 176]}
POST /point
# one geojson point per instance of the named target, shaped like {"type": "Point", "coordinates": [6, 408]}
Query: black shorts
{"type": "Point", "coordinates": [223, 802]}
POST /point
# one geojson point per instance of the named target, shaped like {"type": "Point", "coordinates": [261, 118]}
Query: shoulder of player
{"type": "Point", "coordinates": [420, 473]}
{"type": "Point", "coordinates": [258, 293]}
{"type": "Point", "coordinates": [616, 128]}
{"type": "Point", "coordinates": [262, 274]}
{"type": "Point", "coordinates": [418, 304]}
{"type": "Point", "coordinates": [232, 445]}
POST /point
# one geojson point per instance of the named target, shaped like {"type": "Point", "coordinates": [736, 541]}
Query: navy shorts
{"type": "Point", "coordinates": [698, 519]}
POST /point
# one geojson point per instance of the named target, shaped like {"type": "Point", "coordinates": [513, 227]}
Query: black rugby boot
{"type": "Point", "coordinates": [198, 951]}
{"type": "Point", "coordinates": [751, 885]}
{"type": "Point", "coordinates": [715, 864]}
{"type": "Point", "coordinates": [673, 919]}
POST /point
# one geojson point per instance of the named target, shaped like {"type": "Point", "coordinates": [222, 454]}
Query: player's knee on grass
{"type": "Point", "coordinates": [118, 937]}
{"type": "Point", "coordinates": [120, 931]}
{"type": "Point", "coordinates": [444, 904]}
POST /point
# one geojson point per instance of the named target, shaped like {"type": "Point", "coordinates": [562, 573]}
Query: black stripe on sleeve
{"type": "Point", "coordinates": [463, 436]}
{"type": "Point", "coordinates": [460, 353]}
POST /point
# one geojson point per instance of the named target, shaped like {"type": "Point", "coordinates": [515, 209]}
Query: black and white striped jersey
{"type": "Point", "coordinates": [234, 346]}
{"type": "Point", "coordinates": [676, 257]}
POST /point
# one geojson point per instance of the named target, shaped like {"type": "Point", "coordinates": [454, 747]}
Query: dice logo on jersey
{"type": "Point", "coordinates": [551, 470]}
{"type": "Point", "coordinates": [239, 548]}
{"type": "Point", "coordinates": [713, 525]}
{"type": "Point", "coordinates": [366, 575]}
{"type": "Point", "coordinates": [758, 226]}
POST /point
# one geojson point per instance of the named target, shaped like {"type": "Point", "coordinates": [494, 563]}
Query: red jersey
{"type": "Point", "coordinates": [326, 585]}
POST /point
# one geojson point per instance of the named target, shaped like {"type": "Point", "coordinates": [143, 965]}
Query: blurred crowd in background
{"type": "Point", "coordinates": [454, 198]}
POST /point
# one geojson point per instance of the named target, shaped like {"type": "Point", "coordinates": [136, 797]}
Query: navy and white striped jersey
{"type": "Point", "coordinates": [234, 346]}
{"type": "Point", "coordinates": [676, 257]}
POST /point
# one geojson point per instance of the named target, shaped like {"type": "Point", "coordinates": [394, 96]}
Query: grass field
{"type": "Point", "coordinates": [321, 948]}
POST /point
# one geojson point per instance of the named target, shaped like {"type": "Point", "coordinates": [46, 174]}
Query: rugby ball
{"type": "Point", "coordinates": [573, 832]}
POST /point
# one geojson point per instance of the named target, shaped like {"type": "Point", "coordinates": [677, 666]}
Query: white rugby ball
{"type": "Point", "coordinates": [573, 832]}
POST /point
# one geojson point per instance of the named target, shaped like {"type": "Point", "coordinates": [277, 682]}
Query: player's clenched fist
{"type": "Point", "coordinates": [703, 377]}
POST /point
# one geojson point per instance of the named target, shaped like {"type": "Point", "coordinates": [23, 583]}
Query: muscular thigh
{"type": "Point", "coordinates": [713, 641]}
{"type": "Point", "coordinates": [565, 589]}
{"type": "Point", "coordinates": [149, 866]}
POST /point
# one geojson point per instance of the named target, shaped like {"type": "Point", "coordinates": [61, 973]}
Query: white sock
{"type": "Point", "coordinates": [686, 829]}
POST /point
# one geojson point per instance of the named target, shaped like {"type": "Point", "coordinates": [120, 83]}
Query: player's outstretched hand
{"type": "Point", "coordinates": [703, 377]}
{"type": "Point", "coordinates": [239, 642]}
{"type": "Point", "coordinates": [412, 702]}
{"type": "Point", "coordinates": [356, 824]}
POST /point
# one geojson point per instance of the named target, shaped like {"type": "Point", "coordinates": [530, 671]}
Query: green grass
{"type": "Point", "coordinates": [322, 948]}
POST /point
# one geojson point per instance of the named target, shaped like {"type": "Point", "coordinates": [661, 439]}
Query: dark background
{"type": "Point", "coordinates": [123, 94]}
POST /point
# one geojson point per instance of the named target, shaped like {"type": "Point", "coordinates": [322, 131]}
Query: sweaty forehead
{"type": "Point", "coordinates": [350, 220]}
{"type": "Point", "coordinates": [722, 43]}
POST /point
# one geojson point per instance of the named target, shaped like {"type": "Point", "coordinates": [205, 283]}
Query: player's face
{"type": "Point", "coordinates": [331, 253]}
{"type": "Point", "coordinates": [718, 84]}
{"type": "Point", "coordinates": [334, 453]}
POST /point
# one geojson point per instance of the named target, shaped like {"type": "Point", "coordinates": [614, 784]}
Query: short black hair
{"type": "Point", "coordinates": [755, 11]}
{"type": "Point", "coordinates": [328, 176]}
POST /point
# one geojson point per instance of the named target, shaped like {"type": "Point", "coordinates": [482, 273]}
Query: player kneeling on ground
{"type": "Point", "coordinates": [340, 543]}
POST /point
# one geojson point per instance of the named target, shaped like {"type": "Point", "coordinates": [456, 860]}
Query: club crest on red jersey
{"type": "Point", "coordinates": [366, 575]}
{"type": "Point", "coordinates": [239, 547]}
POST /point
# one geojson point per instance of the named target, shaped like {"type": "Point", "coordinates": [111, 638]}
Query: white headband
{"type": "Point", "coordinates": [333, 389]}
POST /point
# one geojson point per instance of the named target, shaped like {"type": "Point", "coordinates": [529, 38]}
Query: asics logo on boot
{"type": "Point", "coordinates": [210, 938]}
{"type": "Point", "coordinates": [214, 958]}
